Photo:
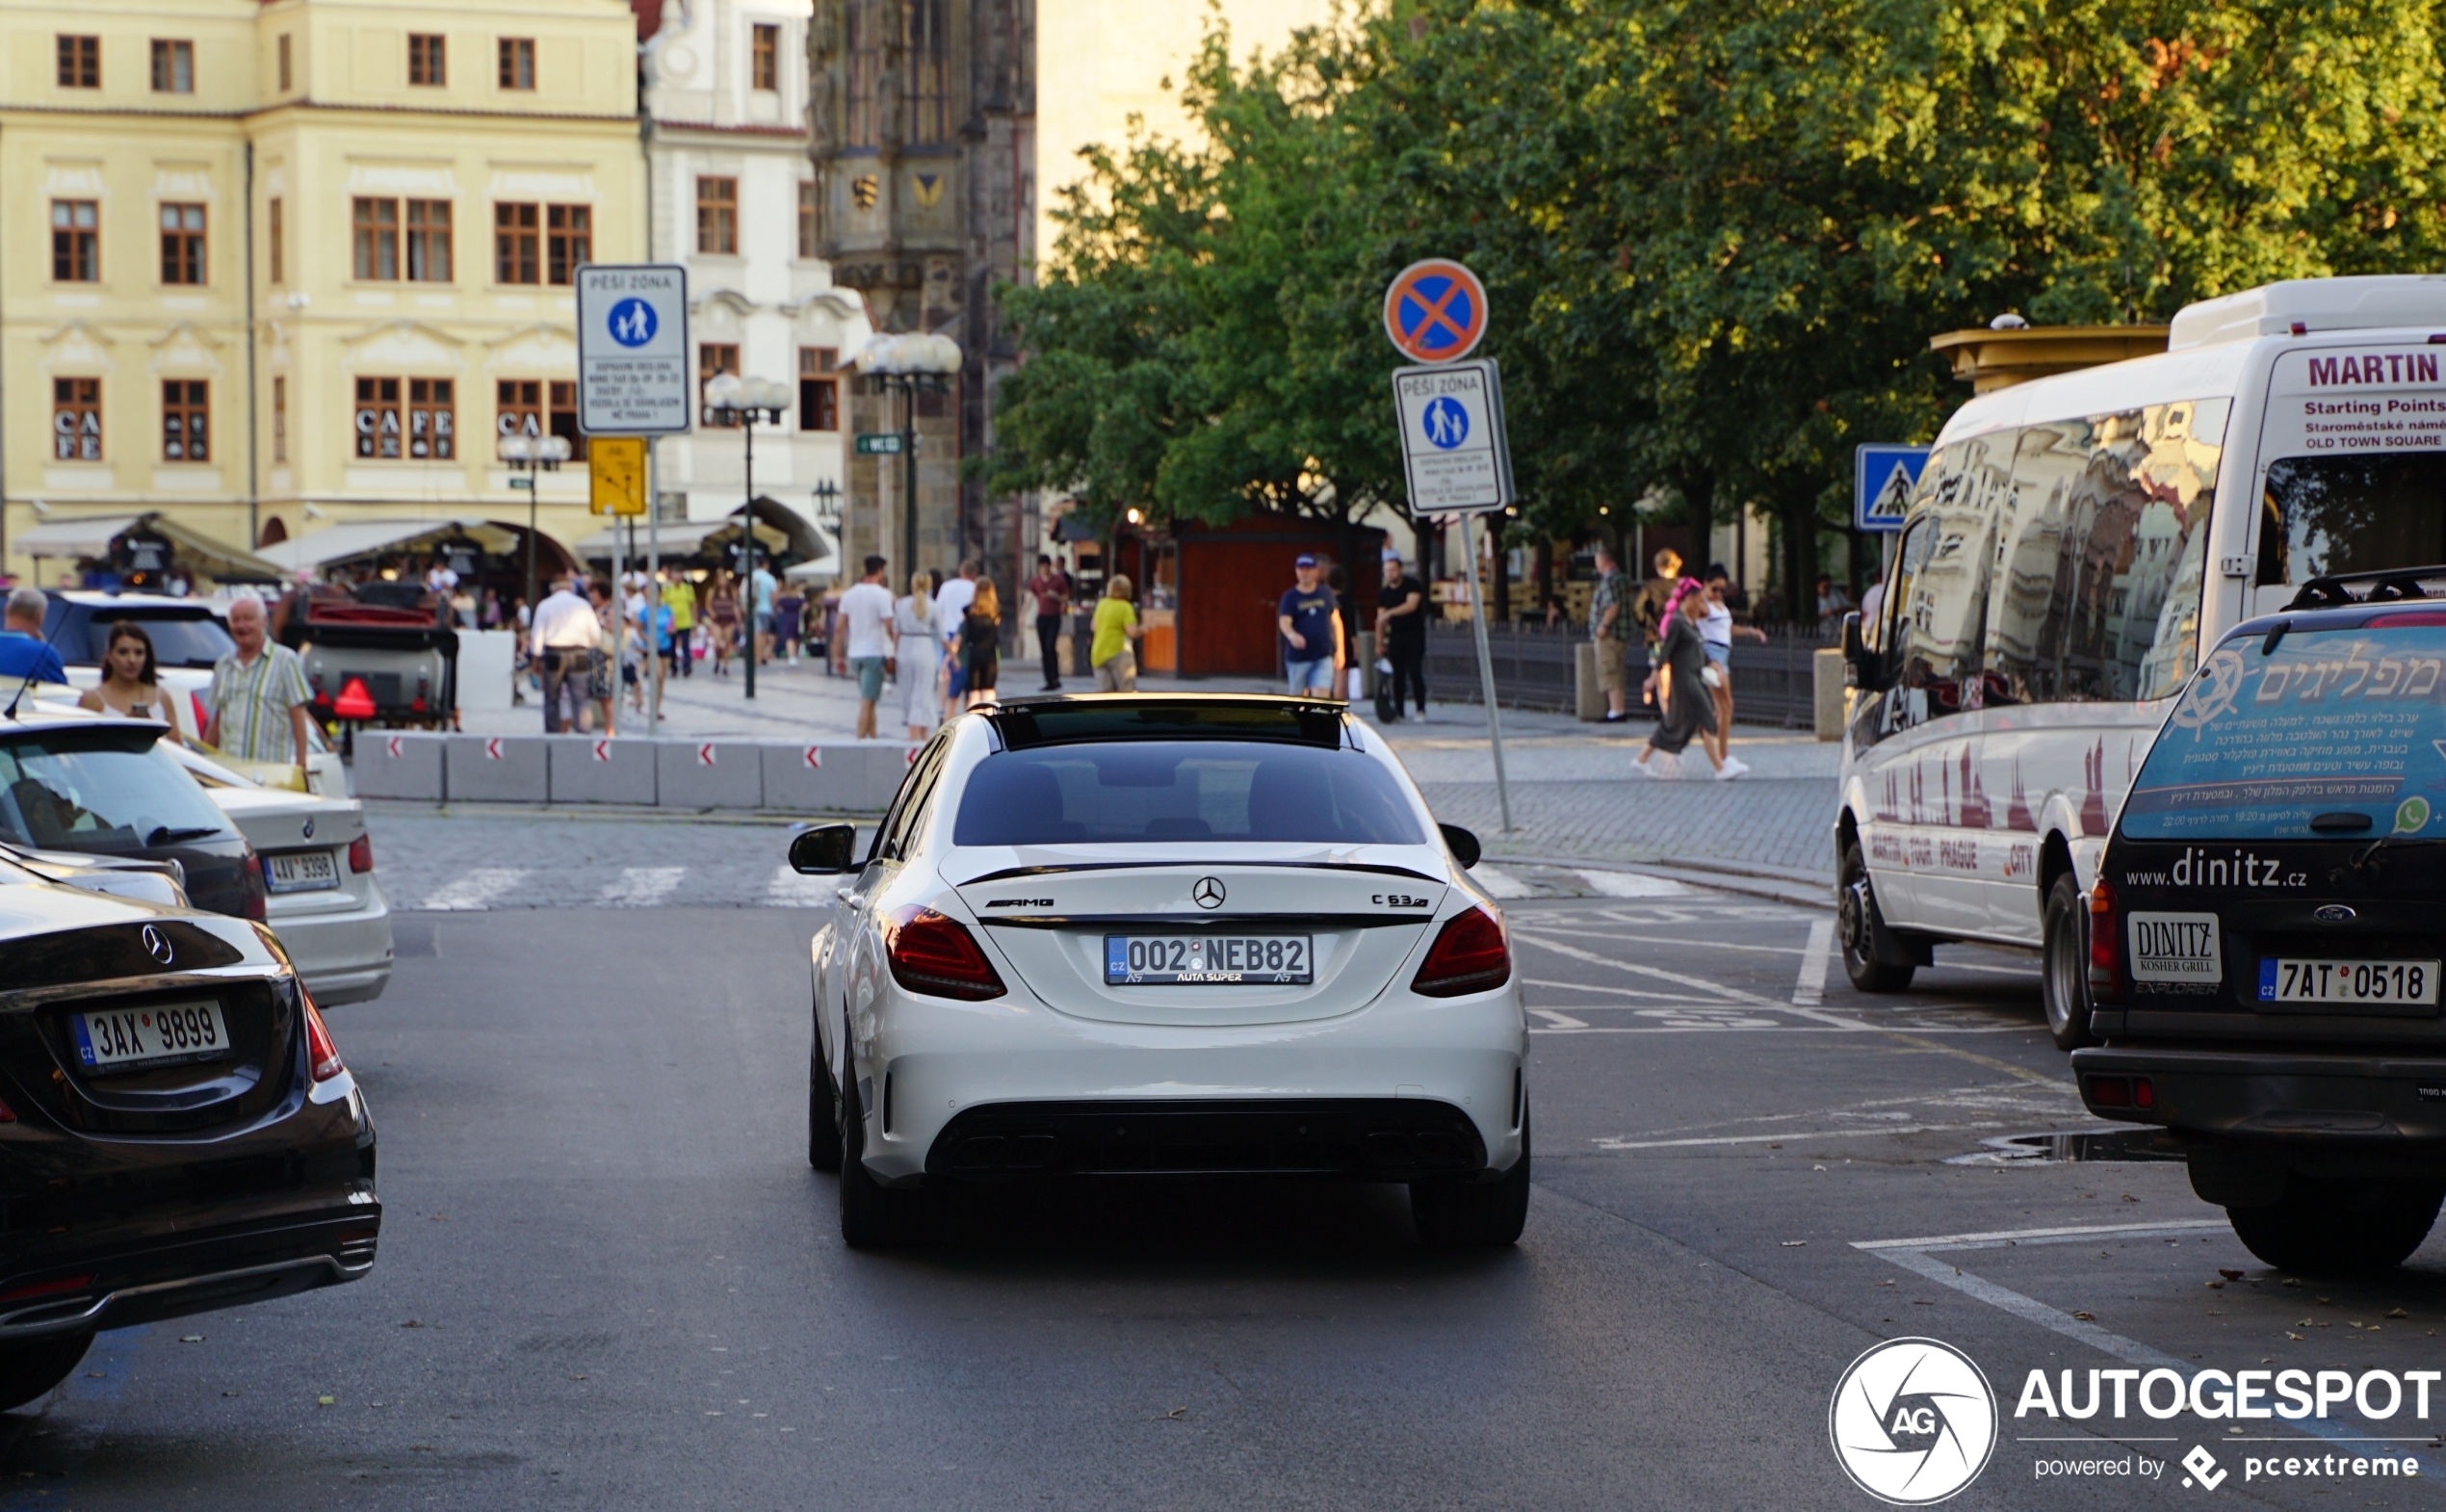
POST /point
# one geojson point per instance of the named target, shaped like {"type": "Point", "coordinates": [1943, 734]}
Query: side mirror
{"type": "Point", "coordinates": [1860, 669]}
{"type": "Point", "coordinates": [1462, 845]}
{"type": "Point", "coordinates": [824, 850]}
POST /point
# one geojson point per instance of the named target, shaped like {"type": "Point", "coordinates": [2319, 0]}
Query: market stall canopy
{"type": "Point", "coordinates": [675, 538]}
{"type": "Point", "coordinates": [363, 538]}
{"type": "Point", "coordinates": [93, 536]}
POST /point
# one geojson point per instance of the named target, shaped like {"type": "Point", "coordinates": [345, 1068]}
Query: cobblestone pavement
{"type": "Point", "coordinates": [1778, 825]}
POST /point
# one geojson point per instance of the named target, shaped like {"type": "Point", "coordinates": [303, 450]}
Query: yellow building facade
{"type": "Point", "coordinates": [272, 267]}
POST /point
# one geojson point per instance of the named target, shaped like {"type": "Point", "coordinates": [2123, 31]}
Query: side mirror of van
{"type": "Point", "coordinates": [1860, 669]}
{"type": "Point", "coordinates": [825, 850]}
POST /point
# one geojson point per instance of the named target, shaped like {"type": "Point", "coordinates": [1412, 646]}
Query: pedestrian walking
{"type": "Point", "coordinates": [1717, 631]}
{"type": "Point", "coordinates": [679, 596]}
{"type": "Point", "coordinates": [1832, 604]}
{"type": "Point", "coordinates": [255, 708]}
{"type": "Point", "coordinates": [951, 607]}
{"type": "Point", "coordinates": [790, 613]}
{"type": "Point", "coordinates": [866, 623]}
{"type": "Point", "coordinates": [1680, 689]}
{"type": "Point", "coordinates": [920, 664]}
{"type": "Point", "coordinates": [1609, 627]}
{"type": "Point", "coordinates": [131, 681]}
{"type": "Point", "coordinates": [1309, 621]}
{"type": "Point", "coordinates": [1051, 588]}
{"type": "Point", "coordinates": [981, 644]}
{"type": "Point", "coordinates": [599, 673]}
{"type": "Point", "coordinates": [563, 644]}
{"type": "Point", "coordinates": [1401, 636]}
{"type": "Point", "coordinates": [1108, 650]}
{"type": "Point", "coordinates": [763, 594]}
{"type": "Point", "coordinates": [24, 655]}
{"type": "Point", "coordinates": [721, 612]}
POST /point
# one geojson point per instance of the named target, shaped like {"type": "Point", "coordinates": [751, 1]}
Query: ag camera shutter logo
{"type": "Point", "coordinates": [1912, 1421]}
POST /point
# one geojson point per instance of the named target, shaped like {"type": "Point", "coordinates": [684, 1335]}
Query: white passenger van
{"type": "Point", "coordinates": [2071, 544]}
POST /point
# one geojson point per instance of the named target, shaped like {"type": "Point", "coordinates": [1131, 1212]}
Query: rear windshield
{"type": "Point", "coordinates": [72, 791]}
{"type": "Point", "coordinates": [1155, 791]}
{"type": "Point", "coordinates": [2335, 722]}
{"type": "Point", "coordinates": [195, 641]}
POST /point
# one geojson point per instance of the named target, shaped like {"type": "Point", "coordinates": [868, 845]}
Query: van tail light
{"type": "Point", "coordinates": [361, 854]}
{"type": "Point", "coordinates": [2104, 950]}
{"type": "Point", "coordinates": [321, 1053]}
{"type": "Point", "coordinates": [938, 956]}
{"type": "Point", "coordinates": [1470, 953]}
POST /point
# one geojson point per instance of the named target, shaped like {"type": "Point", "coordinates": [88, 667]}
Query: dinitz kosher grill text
{"type": "Point", "coordinates": [2243, 1394]}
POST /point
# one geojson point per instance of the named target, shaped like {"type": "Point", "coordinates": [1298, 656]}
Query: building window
{"type": "Point", "coordinates": [173, 67]}
{"type": "Point", "coordinates": [819, 391]}
{"type": "Point", "coordinates": [80, 63]}
{"type": "Point", "coordinates": [568, 243]}
{"type": "Point", "coordinates": [182, 244]}
{"type": "Point", "coordinates": [516, 244]}
{"type": "Point", "coordinates": [76, 241]}
{"type": "Point", "coordinates": [279, 419]}
{"type": "Point", "coordinates": [518, 408]}
{"type": "Point", "coordinates": [864, 49]}
{"type": "Point", "coordinates": [517, 63]}
{"type": "Point", "coordinates": [378, 239]}
{"type": "Point", "coordinates": [427, 60]}
{"type": "Point", "coordinates": [76, 419]}
{"type": "Point", "coordinates": [765, 58]}
{"type": "Point", "coordinates": [429, 241]}
{"type": "Point", "coordinates": [717, 215]}
{"type": "Point", "coordinates": [713, 359]}
{"type": "Point", "coordinates": [276, 239]}
{"type": "Point", "coordinates": [807, 217]}
{"type": "Point", "coordinates": [926, 43]}
{"type": "Point", "coordinates": [562, 417]}
{"type": "Point", "coordinates": [422, 430]}
{"type": "Point", "coordinates": [286, 77]}
{"type": "Point", "coordinates": [186, 419]}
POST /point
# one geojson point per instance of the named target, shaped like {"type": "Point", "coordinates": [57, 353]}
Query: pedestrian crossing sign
{"type": "Point", "coordinates": [1883, 477]}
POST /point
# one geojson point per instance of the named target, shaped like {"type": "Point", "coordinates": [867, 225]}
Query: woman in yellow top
{"type": "Point", "coordinates": [1116, 625]}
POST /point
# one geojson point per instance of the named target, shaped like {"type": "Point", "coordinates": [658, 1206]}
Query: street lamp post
{"type": "Point", "coordinates": [534, 453]}
{"type": "Point", "coordinates": [909, 366]}
{"type": "Point", "coordinates": [743, 401]}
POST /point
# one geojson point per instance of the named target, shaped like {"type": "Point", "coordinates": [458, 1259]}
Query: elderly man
{"type": "Point", "coordinates": [563, 642]}
{"type": "Point", "coordinates": [255, 709]}
{"type": "Point", "coordinates": [23, 652]}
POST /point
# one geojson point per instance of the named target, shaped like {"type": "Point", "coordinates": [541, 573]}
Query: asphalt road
{"type": "Point", "coordinates": [608, 1278]}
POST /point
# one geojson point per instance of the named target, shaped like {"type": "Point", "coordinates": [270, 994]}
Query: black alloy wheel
{"type": "Point", "coordinates": [824, 1113]}
{"type": "Point", "coordinates": [29, 1370]}
{"type": "Point", "coordinates": [2064, 975]}
{"type": "Point", "coordinates": [1861, 928]}
{"type": "Point", "coordinates": [1462, 1214]}
{"type": "Point", "coordinates": [2339, 1228]}
{"type": "Point", "coordinates": [873, 1216]}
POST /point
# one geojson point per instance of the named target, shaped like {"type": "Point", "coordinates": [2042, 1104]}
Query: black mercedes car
{"type": "Point", "coordinates": [177, 1131]}
{"type": "Point", "coordinates": [2266, 937]}
{"type": "Point", "coordinates": [71, 781]}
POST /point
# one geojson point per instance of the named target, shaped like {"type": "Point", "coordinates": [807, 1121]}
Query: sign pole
{"type": "Point", "coordinates": [1486, 665]}
{"type": "Point", "coordinates": [654, 596]}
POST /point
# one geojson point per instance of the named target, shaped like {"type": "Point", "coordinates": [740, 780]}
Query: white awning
{"type": "Point", "coordinates": [93, 535]}
{"type": "Point", "coordinates": [370, 538]}
{"type": "Point", "coordinates": [89, 537]}
{"type": "Point", "coordinates": [676, 538]}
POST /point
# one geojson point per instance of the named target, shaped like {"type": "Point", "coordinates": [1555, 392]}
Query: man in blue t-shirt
{"type": "Point", "coordinates": [1311, 623]}
{"type": "Point", "coordinates": [22, 646]}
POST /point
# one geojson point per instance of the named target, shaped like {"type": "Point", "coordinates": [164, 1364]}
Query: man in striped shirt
{"type": "Point", "coordinates": [256, 707]}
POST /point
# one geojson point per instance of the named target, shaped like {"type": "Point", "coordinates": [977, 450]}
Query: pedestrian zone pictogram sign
{"type": "Point", "coordinates": [1453, 450]}
{"type": "Point", "coordinates": [1435, 311]}
{"type": "Point", "coordinates": [633, 376]}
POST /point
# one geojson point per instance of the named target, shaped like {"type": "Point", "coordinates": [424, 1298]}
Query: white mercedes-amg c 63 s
{"type": "Point", "coordinates": [1162, 935]}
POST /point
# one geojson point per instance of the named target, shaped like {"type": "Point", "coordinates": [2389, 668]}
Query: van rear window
{"type": "Point", "coordinates": [2335, 734]}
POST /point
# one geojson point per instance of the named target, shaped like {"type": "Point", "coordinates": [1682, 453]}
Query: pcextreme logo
{"type": "Point", "coordinates": [1912, 1421]}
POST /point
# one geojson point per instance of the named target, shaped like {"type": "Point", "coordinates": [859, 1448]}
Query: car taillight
{"type": "Point", "coordinates": [8, 1114]}
{"type": "Point", "coordinates": [1470, 954]}
{"type": "Point", "coordinates": [2104, 952]}
{"type": "Point", "coordinates": [361, 854]}
{"type": "Point", "coordinates": [2138, 1092]}
{"type": "Point", "coordinates": [257, 904]}
{"type": "Point", "coordinates": [933, 955]}
{"type": "Point", "coordinates": [58, 1288]}
{"type": "Point", "coordinates": [321, 1053]}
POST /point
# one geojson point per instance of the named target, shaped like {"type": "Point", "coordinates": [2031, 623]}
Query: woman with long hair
{"type": "Point", "coordinates": [131, 681]}
{"type": "Point", "coordinates": [918, 662]}
{"type": "Point", "coordinates": [1689, 703]}
{"type": "Point", "coordinates": [981, 643]}
{"type": "Point", "coordinates": [721, 610]}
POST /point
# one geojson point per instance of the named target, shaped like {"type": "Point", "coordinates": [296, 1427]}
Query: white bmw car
{"type": "Point", "coordinates": [1162, 935]}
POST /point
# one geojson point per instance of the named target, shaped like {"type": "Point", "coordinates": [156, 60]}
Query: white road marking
{"type": "Point", "coordinates": [1810, 990]}
{"type": "Point", "coordinates": [1632, 884]}
{"type": "Point", "coordinates": [789, 890]}
{"type": "Point", "coordinates": [1658, 972]}
{"type": "Point", "coordinates": [642, 887]}
{"type": "Point", "coordinates": [1559, 1020]}
{"type": "Point", "coordinates": [1589, 986]}
{"type": "Point", "coordinates": [1499, 884]}
{"type": "Point", "coordinates": [1763, 1139]}
{"type": "Point", "coordinates": [1552, 924]}
{"type": "Point", "coordinates": [2006, 1237]}
{"type": "Point", "coordinates": [475, 891]}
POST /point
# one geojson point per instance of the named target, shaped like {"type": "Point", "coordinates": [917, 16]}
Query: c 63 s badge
{"type": "Point", "coordinates": [1399, 900]}
{"type": "Point", "coordinates": [1912, 1421]}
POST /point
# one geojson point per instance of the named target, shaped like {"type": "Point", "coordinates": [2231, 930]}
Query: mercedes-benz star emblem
{"type": "Point", "coordinates": [1209, 893]}
{"type": "Point", "coordinates": [157, 946]}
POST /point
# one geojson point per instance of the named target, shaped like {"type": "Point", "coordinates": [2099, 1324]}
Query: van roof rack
{"type": "Point", "coordinates": [2335, 590]}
